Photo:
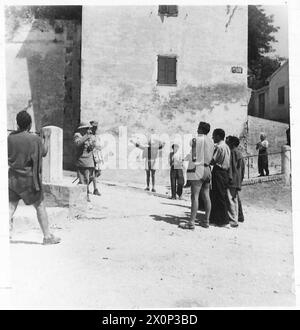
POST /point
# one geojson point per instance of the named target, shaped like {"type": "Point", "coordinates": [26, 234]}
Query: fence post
{"type": "Point", "coordinates": [286, 164]}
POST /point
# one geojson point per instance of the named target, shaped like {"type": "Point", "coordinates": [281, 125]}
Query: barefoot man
{"type": "Point", "coordinates": [25, 153]}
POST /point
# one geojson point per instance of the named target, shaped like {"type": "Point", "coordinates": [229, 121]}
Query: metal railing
{"type": "Point", "coordinates": [274, 161]}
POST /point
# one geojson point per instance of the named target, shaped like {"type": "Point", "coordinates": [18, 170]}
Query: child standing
{"type": "Point", "coordinates": [176, 172]}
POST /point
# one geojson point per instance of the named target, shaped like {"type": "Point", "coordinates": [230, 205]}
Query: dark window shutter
{"type": "Point", "coordinates": [166, 71]}
{"type": "Point", "coordinates": [172, 10]}
{"type": "Point", "coordinates": [161, 74]}
{"type": "Point", "coordinates": [163, 9]}
{"type": "Point", "coordinates": [171, 71]}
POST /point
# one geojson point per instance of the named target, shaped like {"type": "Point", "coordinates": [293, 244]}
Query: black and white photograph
{"type": "Point", "coordinates": [146, 156]}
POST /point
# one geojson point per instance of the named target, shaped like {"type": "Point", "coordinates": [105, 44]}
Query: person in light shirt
{"type": "Point", "coordinates": [199, 175]}
{"type": "Point", "coordinates": [176, 172]}
{"type": "Point", "coordinates": [263, 162]}
{"type": "Point", "coordinates": [220, 180]}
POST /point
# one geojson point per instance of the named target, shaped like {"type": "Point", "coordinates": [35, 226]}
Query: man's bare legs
{"type": "Point", "coordinates": [42, 218]}
{"type": "Point", "coordinates": [12, 209]}
{"type": "Point", "coordinates": [195, 191]}
{"type": "Point", "coordinates": [207, 203]}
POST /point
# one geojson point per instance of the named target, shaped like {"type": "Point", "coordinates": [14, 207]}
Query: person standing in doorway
{"type": "Point", "coordinates": [25, 153]}
{"type": "Point", "coordinates": [263, 162]}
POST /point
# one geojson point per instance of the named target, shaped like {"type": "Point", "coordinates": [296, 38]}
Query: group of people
{"type": "Point", "coordinates": [215, 171]}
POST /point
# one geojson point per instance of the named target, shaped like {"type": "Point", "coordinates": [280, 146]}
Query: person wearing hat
{"type": "Point", "coordinates": [199, 175]}
{"type": "Point", "coordinates": [98, 158]}
{"type": "Point", "coordinates": [85, 143]}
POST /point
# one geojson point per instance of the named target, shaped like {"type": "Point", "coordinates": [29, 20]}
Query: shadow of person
{"type": "Point", "coordinates": [25, 242]}
{"type": "Point", "coordinates": [168, 218]}
{"type": "Point", "coordinates": [175, 204]}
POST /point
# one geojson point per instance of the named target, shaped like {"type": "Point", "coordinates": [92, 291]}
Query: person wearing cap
{"type": "Point", "coordinates": [98, 157]}
{"type": "Point", "coordinates": [85, 144]}
{"type": "Point", "coordinates": [199, 175]}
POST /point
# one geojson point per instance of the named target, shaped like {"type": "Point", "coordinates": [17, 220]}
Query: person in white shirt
{"type": "Point", "coordinates": [220, 180]}
{"type": "Point", "coordinates": [176, 172]}
{"type": "Point", "coordinates": [263, 162]}
{"type": "Point", "coordinates": [199, 175]}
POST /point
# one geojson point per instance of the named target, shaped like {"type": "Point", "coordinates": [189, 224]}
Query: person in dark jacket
{"type": "Point", "coordinates": [236, 176]}
{"type": "Point", "coordinates": [85, 141]}
{"type": "Point", "coordinates": [25, 153]}
{"type": "Point", "coordinates": [263, 162]}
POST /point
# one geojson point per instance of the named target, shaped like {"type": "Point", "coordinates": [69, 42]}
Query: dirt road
{"type": "Point", "coordinates": [129, 253]}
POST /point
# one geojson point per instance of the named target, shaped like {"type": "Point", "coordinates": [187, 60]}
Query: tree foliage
{"type": "Point", "coordinates": [260, 38]}
{"type": "Point", "coordinates": [15, 16]}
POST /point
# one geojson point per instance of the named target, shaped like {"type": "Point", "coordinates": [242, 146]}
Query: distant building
{"type": "Point", "coordinates": [272, 101]}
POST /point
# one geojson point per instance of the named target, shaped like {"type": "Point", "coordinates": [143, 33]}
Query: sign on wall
{"type": "Point", "coordinates": [237, 69]}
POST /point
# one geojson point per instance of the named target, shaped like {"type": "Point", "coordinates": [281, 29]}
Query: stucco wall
{"type": "Point", "coordinates": [119, 68]}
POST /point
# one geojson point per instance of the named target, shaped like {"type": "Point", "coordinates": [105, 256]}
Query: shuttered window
{"type": "Point", "coordinates": [168, 10]}
{"type": "Point", "coordinates": [166, 70]}
{"type": "Point", "coordinates": [281, 95]}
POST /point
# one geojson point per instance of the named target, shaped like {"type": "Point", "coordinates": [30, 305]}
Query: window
{"type": "Point", "coordinates": [168, 10]}
{"type": "Point", "coordinates": [281, 95]}
{"type": "Point", "coordinates": [166, 70]}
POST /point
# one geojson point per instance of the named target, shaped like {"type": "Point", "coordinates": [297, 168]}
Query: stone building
{"type": "Point", "coordinates": [162, 67]}
{"type": "Point", "coordinates": [272, 101]}
{"type": "Point", "coordinates": [165, 67]}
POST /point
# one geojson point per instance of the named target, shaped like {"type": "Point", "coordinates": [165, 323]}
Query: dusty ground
{"type": "Point", "coordinates": [129, 253]}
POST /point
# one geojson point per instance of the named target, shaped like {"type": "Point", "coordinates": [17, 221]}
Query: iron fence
{"type": "Point", "coordinates": [274, 160]}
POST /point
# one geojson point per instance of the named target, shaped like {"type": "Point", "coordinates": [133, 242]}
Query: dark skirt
{"type": "Point", "coordinates": [263, 162]}
{"type": "Point", "coordinates": [220, 181]}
